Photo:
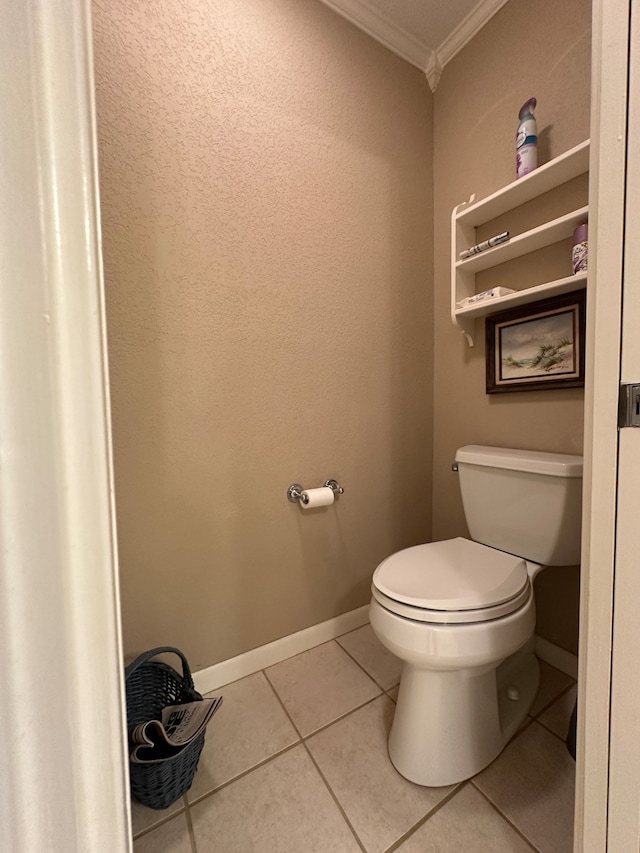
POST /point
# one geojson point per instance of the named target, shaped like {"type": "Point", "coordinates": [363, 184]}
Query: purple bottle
{"type": "Point", "coordinates": [526, 140]}
{"type": "Point", "coordinates": [580, 251]}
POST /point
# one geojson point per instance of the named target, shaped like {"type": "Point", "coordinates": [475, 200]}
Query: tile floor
{"type": "Point", "coordinates": [296, 761]}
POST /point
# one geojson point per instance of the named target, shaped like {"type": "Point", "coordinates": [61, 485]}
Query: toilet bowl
{"type": "Point", "coordinates": [460, 614]}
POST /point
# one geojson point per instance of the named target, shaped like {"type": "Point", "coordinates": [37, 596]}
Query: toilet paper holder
{"type": "Point", "coordinates": [294, 492]}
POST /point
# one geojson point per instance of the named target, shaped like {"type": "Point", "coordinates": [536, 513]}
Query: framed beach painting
{"type": "Point", "coordinates": [537, 346]}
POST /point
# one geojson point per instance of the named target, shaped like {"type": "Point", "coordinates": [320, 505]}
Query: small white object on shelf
{"type": "Point", "coordinates": [492, 293]}
{"type": "Point", "coordinates": [522, 297]}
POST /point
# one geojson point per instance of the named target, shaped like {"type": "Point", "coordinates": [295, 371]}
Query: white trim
{"type": "Point", "coordinates": [623, 830]}
{"type": "Point", "coordinates": [383, 30]}
{"type": "Point", "coordinates": [246, 664]}
{"type": "Point", "coordinates": [556, 656]}
{"type": "Point", "coordinates": [216, 676]}
{"type": "Point", "coordinates": [604, 293]}
{"type": "Point", "coordinates": [63, 740]}
{"type": "Point", "coordinates": [407, 46]}
{"type": "Point", "coordinates": [433, 71]}
{"type": "Point", "coordinates": [469, 27]}
{"type": "Point", "coordinates": [624, 751]}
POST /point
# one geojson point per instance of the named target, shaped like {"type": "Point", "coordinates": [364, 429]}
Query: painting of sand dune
{"type": "Point", "coordinates": [539, 347]}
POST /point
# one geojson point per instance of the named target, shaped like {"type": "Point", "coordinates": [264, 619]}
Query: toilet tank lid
{"type": "Point", "coordinates": [533, 461]}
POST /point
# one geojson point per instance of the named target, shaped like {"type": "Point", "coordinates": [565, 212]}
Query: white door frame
{"type": "Point", "coordinates": [64, 781]}
{"type": "Point", "coordinates": [624, 753]}
{"type": "Point", "coordinates": [62, 739]}
{"type": "Point", "coordinates": [604, 307]}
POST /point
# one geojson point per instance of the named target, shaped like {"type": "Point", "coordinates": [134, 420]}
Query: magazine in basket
{"type": "Point", "coordinates": [156, 740]}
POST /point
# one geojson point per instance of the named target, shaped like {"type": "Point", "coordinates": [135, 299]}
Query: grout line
{"type": "Point", "coordinates": [551, 666]}
{"type": "Point", "coordinates": [563, 740]}
{"type": "Point", "coordinates": [359, 665]}
{"type": "Point", "coordinates": [553, 701]}
{"type": "Point", "coordinates": [526, 723]}
{"type": "Point", "coordinates": [192, 835]}
{"type": "Point", "coordinates": [530, 721]}
{"type": "Point", "coordinates": [282, 705]}
{"type": "Point", "coordinates": [366, 672]}
{"type": "Point", "coordinates": [324, 725]}
{"type": "Point", "coordinates": [301, 740]}
{"type": "Point", "coordinates": [244, 773]}
{"type": "Point", "coordinates": [343, 716]}
{"type": "Point", "coordinates": [504, 817]}
{"type": "Point", "coordinates": [246, 677]}
{"type": "Point", "coordinates": [352, 631]}
{"type": "Point", "coordinates": [284, 660]}
{"type": "Point", "coordinates": [416, 826]}
{"type": "Point", "coordinates": [153, 826]}
{"type": "Point", "coordinates": [387, 693]}
{"type": "Point", "coordinates": [278, 663]}
{"type": "Point", "coordinates": [334, 797]}
{"type": "Point", "coordinates": [305, 738]}
{"type": "Point", "coordinates": [551, 731]}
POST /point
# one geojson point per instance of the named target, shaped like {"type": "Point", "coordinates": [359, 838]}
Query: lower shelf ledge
{"type": "Point", "coordinates": [463, 317]}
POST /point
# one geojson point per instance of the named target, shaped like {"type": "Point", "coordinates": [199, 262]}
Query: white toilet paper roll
{"type": "Point", "coordinates": [316, 497]}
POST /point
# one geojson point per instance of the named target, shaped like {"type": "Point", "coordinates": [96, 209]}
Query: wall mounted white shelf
{"type": "Point", "coordinates": [470, 215]}
{"type": "Point", "coordinates": [523, 297]}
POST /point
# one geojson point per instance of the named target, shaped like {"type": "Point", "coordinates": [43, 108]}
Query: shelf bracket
{"type": "Point", "coordinates": [466, 327]}
{"type": "Point", "coordinates": [461, 281]}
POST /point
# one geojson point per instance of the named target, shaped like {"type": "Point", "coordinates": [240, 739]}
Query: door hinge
{"type": "Point", "coordinates": [629, 406]}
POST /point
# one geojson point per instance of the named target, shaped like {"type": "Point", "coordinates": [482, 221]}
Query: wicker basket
{"type": "Point", "coordinates": [150, 687]}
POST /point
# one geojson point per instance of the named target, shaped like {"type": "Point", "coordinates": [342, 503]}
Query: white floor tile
{"type": "Point", "coordinates": [318, 686]}
{"type": "Point", "coordinates": [249, 727]}
{"type": "Point", "coordinates": [552, 683]}
{"type": "Point", "coordinates": [144, 818]}
{"type": "Point", "coordinates": [557, 717]}
{"type": "Point", "coordinates": [532, 783]}
{"type": "Point", "coordinates": [281, 804]}
{"type": "Point", "coordinates": [363, 645]}
{"type": "Point", "coordinates": [281, 807]}
{"type": "Point", "coordinates": [379, 802]}
{"type": "Point", "coordinates": [469, 824]}
{"type": "Point", "coordinates": [171, 837]}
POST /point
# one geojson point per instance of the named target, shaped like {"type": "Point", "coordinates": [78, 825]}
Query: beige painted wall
{"type": "Point", "coordinates": [266, 182]}
{"type": "Point", "coordinates": [528, 49]}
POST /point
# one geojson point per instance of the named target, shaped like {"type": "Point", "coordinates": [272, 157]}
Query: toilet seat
{"type": "Point", "coordinates": [450, 617]}
{"type": "Point", "coordinates": [452, 581]}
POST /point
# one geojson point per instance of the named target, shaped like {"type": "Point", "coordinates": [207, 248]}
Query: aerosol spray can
{"type": "Point", "coordinates": [580, 251]}
{"type": "Point", "coordinates": [526, 140]}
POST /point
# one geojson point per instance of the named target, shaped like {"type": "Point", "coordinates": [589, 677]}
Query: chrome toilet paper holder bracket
{"type": "Point", "coordinates": [294, 492]}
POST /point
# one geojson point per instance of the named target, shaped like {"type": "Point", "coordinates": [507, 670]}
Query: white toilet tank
{"type": "Point", "coordinates": [524, 502]}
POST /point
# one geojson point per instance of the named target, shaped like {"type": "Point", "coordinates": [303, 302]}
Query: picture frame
{"type": "Point", "coordinates": [538, 346]}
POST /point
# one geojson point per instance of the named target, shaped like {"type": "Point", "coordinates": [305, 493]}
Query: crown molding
{"type": "Point", "coordinates": [383, 30]}
{"type": "Point", "coordinates": [467, 29]}
{"type": "Point", "coordinates": [407, 46]}
{"type": "Point", "coordinates": [433, 71]}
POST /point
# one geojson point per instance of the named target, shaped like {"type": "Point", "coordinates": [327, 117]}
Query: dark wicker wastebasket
{"type": "Point", "coordinates": [151, 686]}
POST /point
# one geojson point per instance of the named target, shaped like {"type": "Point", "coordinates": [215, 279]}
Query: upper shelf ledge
{"type": "Point", "coordinates": [528, 241]}
{"type": "Point", "coordinates": [557, 171]}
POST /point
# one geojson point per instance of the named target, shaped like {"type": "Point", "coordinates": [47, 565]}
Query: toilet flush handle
{"type": "Point", "coordinates": [454, 467]}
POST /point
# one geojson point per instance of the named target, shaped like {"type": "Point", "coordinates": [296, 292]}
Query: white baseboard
{"type": "Point", "coordinates": [556, 656]}
{"type": "Point", "coordinates": [226, 671]}
{"type": "Point", "coordinates": [230, 670]}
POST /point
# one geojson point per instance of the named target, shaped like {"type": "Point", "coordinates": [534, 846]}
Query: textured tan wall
{"type": "Point", "coordinates": [528, 49]}
{"type": "Point", "coordinates": [266, 182]}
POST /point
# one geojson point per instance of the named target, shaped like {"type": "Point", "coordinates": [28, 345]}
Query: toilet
{"type": "Point", "coordinates": [460, 614]}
